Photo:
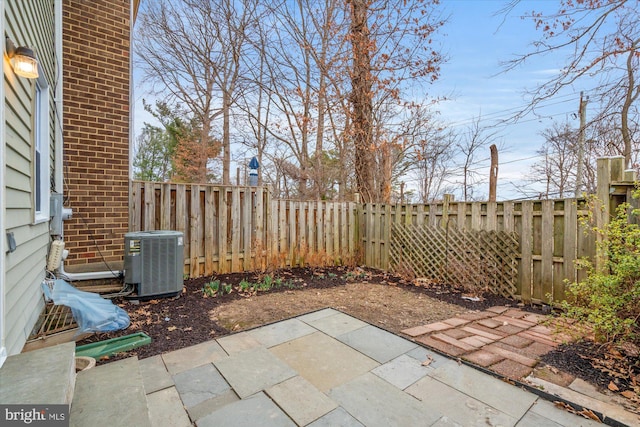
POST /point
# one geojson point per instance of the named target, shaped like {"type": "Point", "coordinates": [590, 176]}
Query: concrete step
{"type": "Point", "coordinates": [45, 376]}
{"type": "Point", "coordinates": [112, 394]}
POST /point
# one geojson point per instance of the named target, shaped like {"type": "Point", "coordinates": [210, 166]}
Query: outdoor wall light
{"type": "Point", "coordinates": [23, 60]}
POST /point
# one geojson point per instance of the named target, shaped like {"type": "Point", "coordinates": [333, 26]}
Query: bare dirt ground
{"type": "Point", "coordinates": [205, 310]}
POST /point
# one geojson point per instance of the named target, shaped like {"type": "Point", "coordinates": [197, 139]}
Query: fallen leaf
{"type": "Point", "coordinates": [629, 394]}
{"type": "Point", "coordinates": [428, 361]}
{"type": "Point", "coordinates": [188, 329]}
{"type": "Point", "coordinates": [612, 386]}
{"type": "Point", "coordinates": [587, 413]}
{"type": "Point", "coordinates": [171, 328]}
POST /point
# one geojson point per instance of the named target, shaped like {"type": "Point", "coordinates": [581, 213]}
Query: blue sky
{"type": "Point", "coordinates": [476, 40]}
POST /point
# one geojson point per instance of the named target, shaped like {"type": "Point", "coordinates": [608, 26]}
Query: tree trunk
{"type": "Point", "coordinates": [361, 99]}
{"type": "Point", "coordinates": [493, 173]}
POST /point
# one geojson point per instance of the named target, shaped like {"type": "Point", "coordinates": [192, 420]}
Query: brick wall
{"type": "Point", "coordinates": [96, 35]}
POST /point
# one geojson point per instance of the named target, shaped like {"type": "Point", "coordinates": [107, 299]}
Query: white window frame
{"type": "Point", "coordinates": [41, 132]}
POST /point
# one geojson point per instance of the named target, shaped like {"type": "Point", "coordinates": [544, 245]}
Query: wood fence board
{"type": "Point", "coordinates": [194, 215]}
{"type": "Point", "coordinates": [235, 229]}
{"type": "Point", "coordinates": [165, 212]}
{"type": "Point", "coordinates": [135, 207]}
{"type": "Point", "coordinates": [547, 249]}
{"type": "Point", "coordinates": [149, 206]}
{"type": "Point", "coordinates": [526, 248]}
{"type": "Point", "coordinates": [246, 227]}
{"type": "Point", "coordinates": [223, 231]}
{"type": "Point", "coordinates": [570, 245]}
{"type": "Point", "coordinates": [209, 231]}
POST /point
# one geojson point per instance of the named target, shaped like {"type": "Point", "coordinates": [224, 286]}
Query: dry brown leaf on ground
{"type": "Point", "coordinates": [588, 413]}
{"type": "Point", "coordinates": [171, 328]}
{"type": "Point", "coordinates": [612, 386]}
{"type": "Point", "coordinates": [630, 395]}
{"type": "Point", "coordinates": [428, 361]}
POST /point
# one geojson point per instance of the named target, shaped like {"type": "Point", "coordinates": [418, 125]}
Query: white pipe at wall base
{"type": "Point", "coordinates": [93, 275]}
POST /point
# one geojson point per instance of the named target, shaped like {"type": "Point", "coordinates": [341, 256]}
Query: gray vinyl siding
{"type": "Point", "coordinates": [28, 23]}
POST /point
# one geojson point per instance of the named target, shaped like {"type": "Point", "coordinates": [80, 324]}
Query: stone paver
{"type": "Point", "coordinates": [323, 361]}
{"type": "Point", "coordinates": [199, 384]}
{"type": "Point", "coordinates": [514, 321]}
{"type": "Point", "coordinates": [364, 376]}
{"type": "Point", "coordinates": [208, 406]}
{"type": "Point", "coordinates": [319, 314]}
{"type": "Point", "coordinates": [480, 330]}
{"type": "Point", "coordinates": [277, 333]}
{"type": "Point", "coordinates": [489, 323]}
{"type": "Point", "coordinates": [516, 341]}
{"type": "Point", "coordinates": [485, 388]}
{"type": "Point", "coordinates": [459, 407]}
{"type": "Point", "coordinates": [337, 417]}
{"type": "Point", "coordinates": [376, 343]}
{"type": "Point", "coordinates": [374, 402]}
{"type": "Point", "coordinates": [457, 333]}
{"type": "Point", "coordinates": [612, 410]}
{"type": "Point", "coordinates": [497, 309]}
{"type": "Point", "coordinates": [165, 408]}
{"type": "Point", "coordinates": [301, 400]}
{"type": "Point", "coordinates": [418, 330]}
{"type": "Point", "coordinates": [337, 324]}
{"type": "Point", "coordinates": [253, 370]}
{"type": "Point", "coordinates": [257, 410]}
{"type": "Point", "coordinates": [454, 342]}
{"type": "Point", "coordinates": [483, 358]}
{"type": "Point", "coordinates": [508, 354]}
{"type": "Point", "coordinates": [456, 321]}
{"type": "Point", "coordinates": [544, 413]}
{"type": "Point", "coordinates": [428, 358]}
{"type": "Point", "coordinates": [54, 365]}
{"type": "Point", "coordinates": [442, 346]}
{"type": "Point", "coordinates": [238, 342]}
{"type": "Point", "coordinates": [511, 369]}
{"type": "Point", "coordinates": [190, 357]}
{"type": "Point", "coordinates": [401, 371]}
{"type": "Point", "coordinates": [154, 374]}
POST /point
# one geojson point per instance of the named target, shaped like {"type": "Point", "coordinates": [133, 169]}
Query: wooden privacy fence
{"type": "Point", "coordinates": [550, 234]}
{"type": "Point", "coordinates": [547, 238]}
{"type": "Point", "coordinates": [232, 229]}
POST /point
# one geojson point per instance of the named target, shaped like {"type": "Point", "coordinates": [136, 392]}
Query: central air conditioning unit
{"type": "Point", "coordinates": [154, 262]}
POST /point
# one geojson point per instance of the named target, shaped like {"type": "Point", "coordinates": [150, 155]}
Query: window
{"type": "Point", "coordinates": [41, 182]}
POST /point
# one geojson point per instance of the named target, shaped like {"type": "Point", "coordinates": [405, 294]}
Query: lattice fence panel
{"type": "Point", "coordinates": [475, 259]}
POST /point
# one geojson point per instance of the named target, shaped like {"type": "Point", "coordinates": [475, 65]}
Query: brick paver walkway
{"type": "Point", "coordinates": [503, 339]}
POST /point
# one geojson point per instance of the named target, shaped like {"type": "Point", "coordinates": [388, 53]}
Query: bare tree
{"type": "Point", "coordinates": [558, 165]}
{"type": "Point", "coordinates": [191, 50]}
{"type": "Point", "coordinates": [603, 36]}
{"type": "Point", "coordinates": [469, 144]}
{"type": "Point", "coordinates": [430, 155]}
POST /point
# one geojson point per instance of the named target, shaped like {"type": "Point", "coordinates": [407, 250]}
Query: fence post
{"type": "Point", "coordinates": [446, 199]}
{"type": "Point", "coordinates": [609, 170]}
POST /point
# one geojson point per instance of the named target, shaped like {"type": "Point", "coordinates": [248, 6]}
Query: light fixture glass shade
{"type": "Point", "coordinates": [24, 63]}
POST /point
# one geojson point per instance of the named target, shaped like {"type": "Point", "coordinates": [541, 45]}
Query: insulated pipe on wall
{"type": "Point", "coordinates": [91, 275]}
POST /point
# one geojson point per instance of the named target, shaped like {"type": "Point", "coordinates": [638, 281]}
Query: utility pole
{"type": "Point", "coordinates": [493, 173]}
{"type": "Point", "coordinates": [583, 124]}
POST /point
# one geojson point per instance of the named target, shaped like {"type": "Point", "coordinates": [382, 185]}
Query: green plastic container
{"type": "Point", "coordinates": [114, 345]}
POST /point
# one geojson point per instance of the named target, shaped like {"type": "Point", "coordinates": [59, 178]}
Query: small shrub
{"type": "Point", "coordinates": [608, 300]}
